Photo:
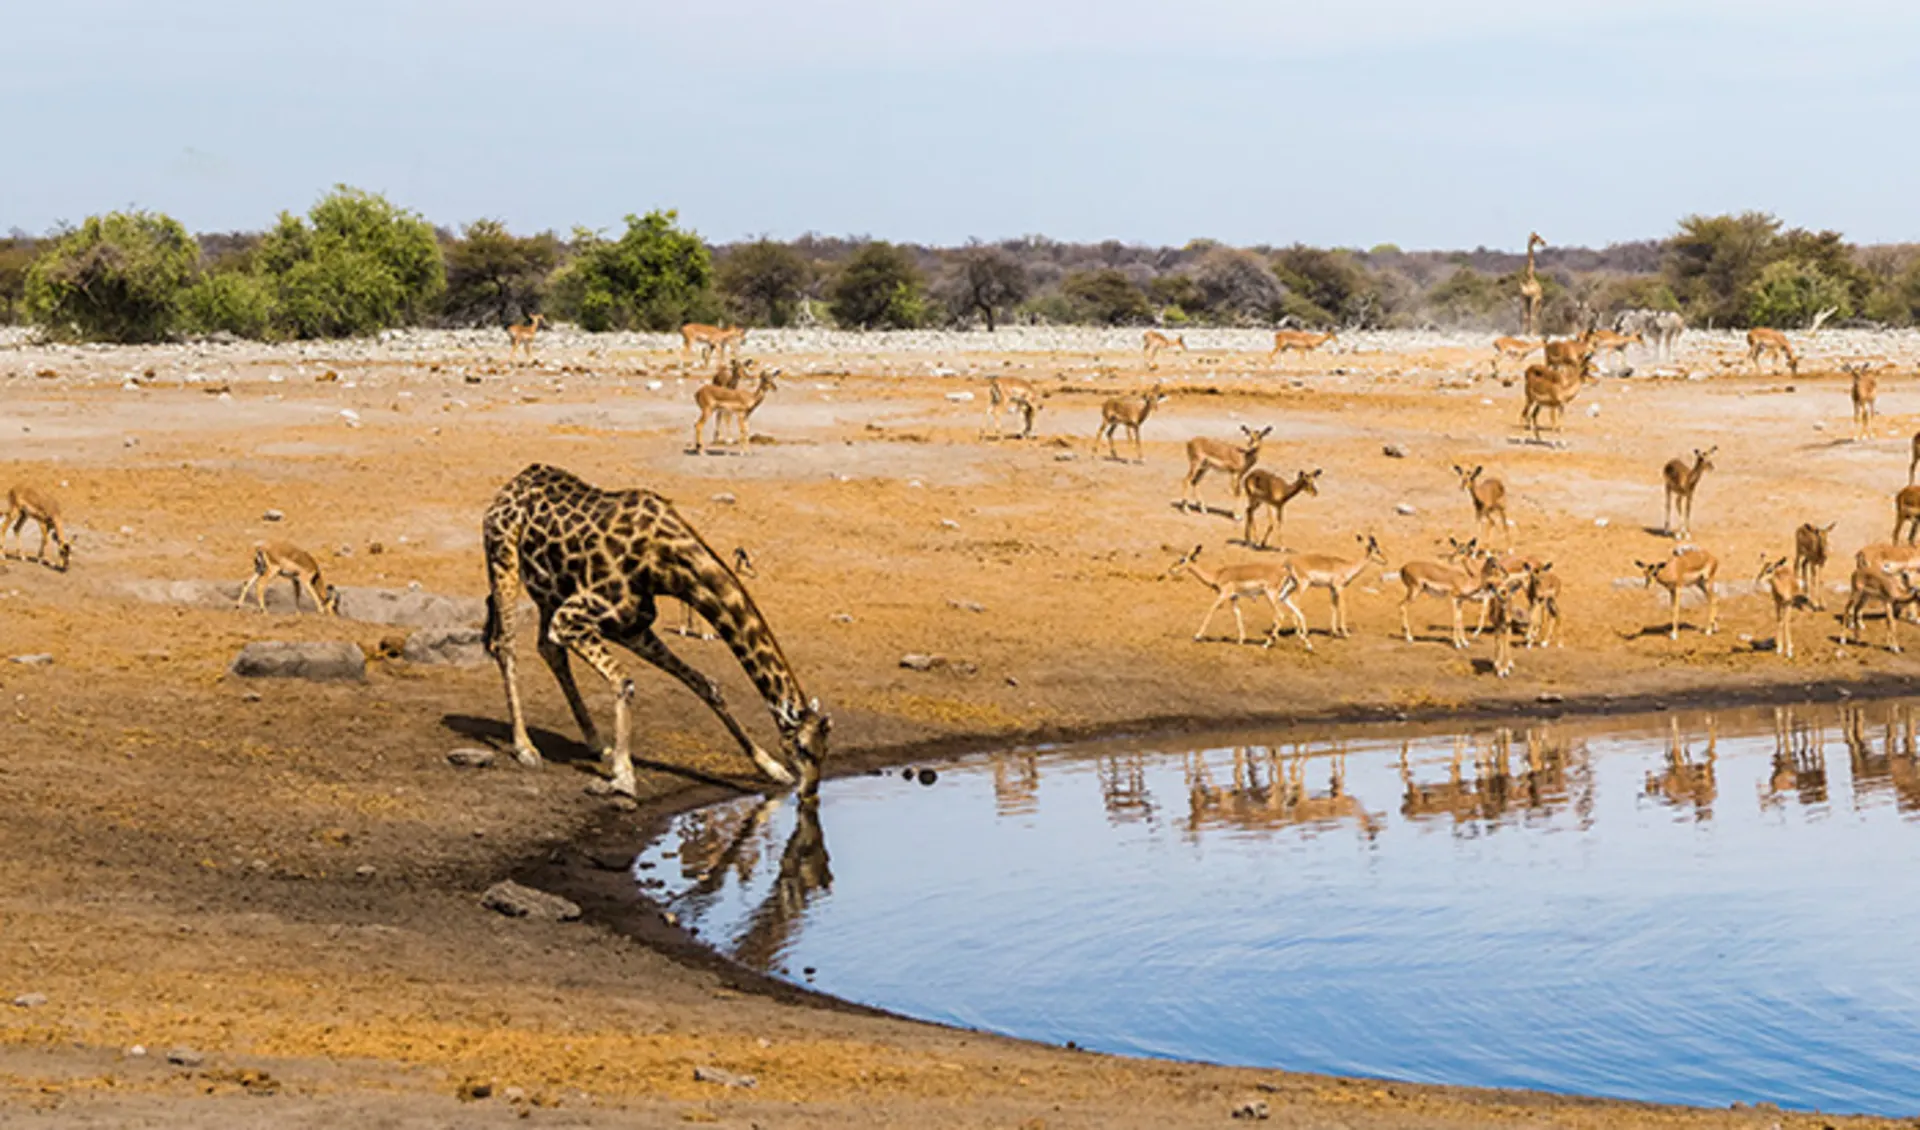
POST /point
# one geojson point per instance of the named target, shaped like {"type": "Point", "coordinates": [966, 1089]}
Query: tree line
{"type": "Point", "coordinates": [355, 264]}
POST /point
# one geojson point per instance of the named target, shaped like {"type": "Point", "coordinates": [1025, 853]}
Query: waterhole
{"type": "Point", "coordinates": [1702, 908]}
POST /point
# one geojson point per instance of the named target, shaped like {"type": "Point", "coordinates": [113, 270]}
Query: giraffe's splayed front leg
{"type": "Point", "coordinates": [772, 767]}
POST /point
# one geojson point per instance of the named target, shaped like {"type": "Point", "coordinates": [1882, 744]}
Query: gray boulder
{"type": "Point", "coordinates": [278, 659]}
{"type": "Point", "coordinates": [516, 901]}
{"type": "Point", "coordinates": [447, 647]}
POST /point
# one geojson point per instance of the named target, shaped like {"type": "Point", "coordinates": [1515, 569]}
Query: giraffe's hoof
{"type": "Point", "coordinates": [527, 756]}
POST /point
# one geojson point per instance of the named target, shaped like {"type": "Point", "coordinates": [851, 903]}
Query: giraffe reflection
{"type": "Point", "coordinates": [1688, 779]}
{"type": "Point", "coordinates": [1269, 791]}
{"type": "Point", "coordinates": [736, 838]}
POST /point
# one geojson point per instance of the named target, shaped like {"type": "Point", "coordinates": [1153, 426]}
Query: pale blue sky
{"type": "Point", "coordinates": [1351, 122]}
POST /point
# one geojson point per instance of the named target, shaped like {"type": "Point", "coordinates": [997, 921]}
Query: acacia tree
{"type": "Point", "coordinates": [116, 277]}
{"type": "Point", "coordinates": [494, 276]}
{"type": "Point", "coordinates": [356, 264]}
{"type": "Point", "coordinates": [985, 281]}
{"type": "Point", "coordinates": [1106, 296]}
{"type": "Point", "coordinates": [764, 281]}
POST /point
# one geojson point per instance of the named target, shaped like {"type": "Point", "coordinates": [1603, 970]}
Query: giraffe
{"type": "Point", "coordinates": [1530, 289]}
{"type": "Point", "coordinates": [594, 562]}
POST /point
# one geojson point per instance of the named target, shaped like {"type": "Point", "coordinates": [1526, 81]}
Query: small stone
{"type": "Point", "coordinates": [41, 659]}
{"type": "Point", "coordinates": [137, 1051]}
{"type": "Point", "coordinates": [1550, 697]}
{"type": "Point", "coordinates": [906, 774]}
{"type": "Point", "coordinates": [473, 1090]}
{"type": "Point", "coordinates": [375, 547]}
{"type": "Point", "coordinates": [725, 498]}
{"type": "Point", "coordinates": [928, 776]}
{"type": "Point", "coordinates": [841, 618]}
{"type": "Point", "coordinates": [1065, 457]}
{"type": "Point", "coordinates": [918, 662]}
{"type": "Point", "coordinates": [472, 757]}
{"type": "Point", "coordinates": [966, 605]}
{"type": "Point", "coordinates": [949, 524]}
{"type": "Point", "coordinates": [343, 550]}
{"type": "Point", "coordinates": [365, 871]}
{"type": "Point", "coordinates": [1602, 523]}
{"type": "Point", "coordinates": [1405, 510]}
{"type": "Point", "coordinates": [516, 901]}
{"type": "Point", "coordinates": [1255, 1111]}
{"type": "Point", "coordinates": [30, 1000]}
{"type": "Point", "coordinates": [722, 1077]}
{"type": "Point", "coordinates": [185, 1057]}
{"type": "Point", "coordinates": [272, 516]}
{"type": "Point", "coordinates": [514, 1094]}
{"type": "Point", "coordinates": [1394, 451]}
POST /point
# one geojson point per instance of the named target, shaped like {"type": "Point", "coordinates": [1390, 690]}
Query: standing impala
{"type": "Point", "coordinates": [1264, 488]}
{"type": "Point", "coordinates": [1780, 583]}
{"type": "Point", "coordinates": [1286, 341]}
{"type": "Point", "coordinates": [1810, 558]}
{"type": "Point", "coordinates": [1453, 584]}
{"type": "Point", "coordinates": [1688, 566]}
{"type": "Point", "coordinates": [520, 338]}
{"type": "Point", "coordinates": [1128, 413]}
{"type": "Point", "coordinates": [1205, 455]}
{"type": "Point", "coordinates": [1885, 586]}
{"type": "Point", "coordinates": [1158, 343]}
{"type": "Point", "coordinates": [1550, 388]}
{"type": "Point", "coordinates": [710, 339]}
{"type": "Point", "coordinates": [1012, 393]}
{"type": "Point", "coordinates": [1682, 481]}
{"type": "Point", "coordinates": [1231, 584]}
{"type": "Point", "coordinates": [1865, 392]}
{"type": "Point", "coordinates": [714, 400]}
{"type": "Point", "coordinates": [1336, 575]}
{"type": "Point", "coordinates": [1489, 497]}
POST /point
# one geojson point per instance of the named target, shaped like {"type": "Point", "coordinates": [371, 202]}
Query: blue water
{"type": "Point", "coordinates": [1698, 910]}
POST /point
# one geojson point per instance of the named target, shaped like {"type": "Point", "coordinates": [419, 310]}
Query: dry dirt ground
{"type": "Point", "coordinates": [284, 876]}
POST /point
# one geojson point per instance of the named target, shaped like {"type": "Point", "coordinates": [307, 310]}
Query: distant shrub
{"type": "Point", "coordinates": [764, 282]}
{"type": "Point", "coordinates": [1467, 296]}
{"type": "Point", "coordinates": [1236, 286]}
{"type": "Point", "coordinates": [987, 281]}
{"type": "Point", "coordinates": [1106, 297]}
{"type": "Point", "coordinates": [116, 277]}
{"type": "Point", "coordinates": [654, 277]}
{"type": "Point", "coordinates": [355, 265]}
{"type": "Point", "coordinates": [1334, 283]}
{"type": "Point", "coordinates": [17, 254]}
{"type": "Point", "coordinates": [1790, 293]}
{"type": "Point", "coordinates": [878, 288]}
{"type": "Point", "coordinates": [232, 302]}
{"type": "Point", "coordinates": [495, 277]}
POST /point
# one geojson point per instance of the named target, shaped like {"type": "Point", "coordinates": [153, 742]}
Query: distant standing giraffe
{"type": "Point", "coordinates": [1530, 288]}
{"type": "Point", "coordinates": [595, 562]}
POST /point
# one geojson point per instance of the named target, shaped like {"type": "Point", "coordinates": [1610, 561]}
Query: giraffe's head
{"type": "Point", "coordinates": [803, 741]}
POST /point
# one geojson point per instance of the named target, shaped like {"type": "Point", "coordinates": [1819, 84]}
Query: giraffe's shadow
{"type": "Point", "coordinates": [563, 750]}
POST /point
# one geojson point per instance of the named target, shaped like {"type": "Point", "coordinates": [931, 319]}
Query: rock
{"type": "Point", "coordinates": [472, 757]}
{"type": "Point", "coordinates": [446, 647]}
{"type": "Point", "coordinates": [277, 659]}
{"type": "Point", "coordinates": [514, 1094]}
{"type": "Point", "coordinates": [185, 1057]}
{"type": "Point", "coordinates": [409, 608]}
{"type": "Point", "coordinates": [30, 1000]}
{"type": "Point", "coordinates": [41, 659]}
{"type": "Point", "coordinates": [928, 776]}
{"type": "Point", "coordinates": [966, 605]}
{"type": "Point", "coordinates": [841, 618]}
{"type": "Point", "coordinates": [516, 901]}
{"type": "Point", "coordinates": [137, 1051]}
{"type": "Point", "coordinates": [473, 1090]}
{"type": "Point", "coordinates": [1255, 1111]}
{"type": "Point", "coordinates": [725, 498]}
{"type": "Point", "coordinates": [723, 1077]}
{"type": "Point", "coordinates": [1394, 451]}
{"type": "Point", "coordinates": [918, 662]}
{"type": "Point", "coordinates": [949, 524]}
{"type": "Point", "coordinates": [364, 871]}
{"type": "Point", "coordinates": [1549, 697]}
{"type": "Point", "coordinates": [272, 516]}
{"type": "Point", "coordinates": [1405, 510]}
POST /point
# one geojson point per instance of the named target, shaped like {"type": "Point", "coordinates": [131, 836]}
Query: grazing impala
{"type": "Point", "coordinates": [1205, 455]}
{"type": "Point", "coordinates": [1157, 343]}
{"type": "Point", "coordinates": [1810, 558]}
{"type": "Point", "coordinates": [1264, 488]}
{"type": "Point", "coordinates": [1607, 342]}
{"type": "Point", "coordinates": [1231, 584]}
{"type": "Point", "coordinates": [520, 338]}
{"type": "Point", "coordinates": [1016, 394]}
{"type": "Point", "coordinates": [1128, 413]}
{"type": "Point", "coordinates": [1689, 565]}
{"type": "Point", "coordinates": [710, 338]}
{"type": "Point", "coordinates": [31, 504]}
{"type": "Point", "coordinates": [1286, 341]}
{"type": "Point", "coordinates": [1489, 497]}
{"type": "Point", "coordinates": [1682, 481]}
{"type": "Point", "coordinates": [1885, 586]}
{"type": "Point", "coordinates": [1764, 341]}
{"type": "Point", "coordinates": [275, 559]}
{"type": "Point", "coordinates": [1454, 584]}
{"type": "Point", "coordinates": [714, 400]}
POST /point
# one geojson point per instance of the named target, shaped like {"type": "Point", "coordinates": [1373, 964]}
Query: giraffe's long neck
{"type": "Point", "coordinates": [1529, 260]}
{"type": "Point", "coordinates": [717, 595]}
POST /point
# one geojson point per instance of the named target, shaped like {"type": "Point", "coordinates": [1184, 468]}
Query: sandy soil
{"type": "Point", "coordinates": [284, 876]}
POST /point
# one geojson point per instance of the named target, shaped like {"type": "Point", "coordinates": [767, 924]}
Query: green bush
{"type": "Point", "coordinates": [1334, 283]}
{"type": "Point", "coordinates": [116, 277]}
{"type": "Point", "coordinates": [231, 302]}
{"type": "Point", "coordinates": [878, 288]}
{"type": "Point", "coordinates": [654, 277]}
{"type": "Point", "coordinates": [355, 265]}
{"type": "Point", "coordinates": [495, 277]}
{"type": "Point", "coordinates": [764, 282]}
{"type": "Point", "coordinates": [16, 259]}
{"type": "Point", "coordinates": [1107, 297]}
{"type": "Point", "coordinates": [1468, 296]}
{"type": "Point", "coordinates": [1790, 293]}
{"type": "Point", "coordinates": [1714, 261]}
